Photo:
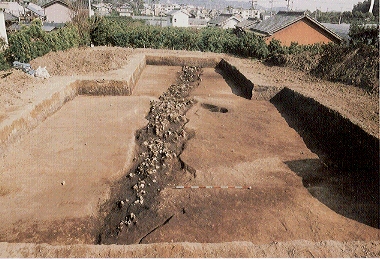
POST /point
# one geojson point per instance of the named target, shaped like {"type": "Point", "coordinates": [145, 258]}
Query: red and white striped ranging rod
{"type": "Point", "coordinates": [211, 187]}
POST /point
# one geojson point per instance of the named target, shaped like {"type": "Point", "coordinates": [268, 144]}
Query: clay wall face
{"type": "Point", "coordinates": [304, 32]}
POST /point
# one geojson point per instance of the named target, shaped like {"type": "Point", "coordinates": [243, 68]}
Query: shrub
{"type": "Point", "coordinates": [32, 42]}
{"type": "Point", "coordinates": [275, 47]}
{"type": "Point", "coordinates": [4, 65]}
{"type": "Point", "coordinates": [352, 65]}
{"type": "Point", "coordinates": [362, 34]}
{"type": "Point", "coordinates": [218, 40]}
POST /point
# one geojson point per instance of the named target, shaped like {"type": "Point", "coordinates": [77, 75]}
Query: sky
{"type": "Point", "coordinates": [312, 5]}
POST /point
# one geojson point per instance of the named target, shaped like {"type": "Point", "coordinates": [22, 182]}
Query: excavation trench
{"type": "Point", "coordinates": [350, 157]}
{"type": "Point", "coordinates": [157, 164]}
{"type": "Point", "coordinates": [220, 134]}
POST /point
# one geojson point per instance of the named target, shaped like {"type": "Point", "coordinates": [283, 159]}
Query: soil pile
{"type": "Point", "coordinates": [83, 60]}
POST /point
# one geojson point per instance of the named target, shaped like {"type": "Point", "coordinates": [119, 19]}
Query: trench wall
{"type": "Point", "coordinates": [244, 85]}
{"type": "Point", "coordinates": [343, 141]}
{"type": "Point", "coordinates": [12, 129]}
{"type": "Point", "coordinates": [170, 60]}
{"type": "Point", "coordinates": [347, 145]}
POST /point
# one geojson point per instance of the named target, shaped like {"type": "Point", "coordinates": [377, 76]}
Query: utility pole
{"type": "Point", "coordinates": [271, 7]}
{"type": "Point", "coordinates": [287, 8]}
{"type": "Point", "coordinates": [89, 8]}
{"type": "Point", "coordinates": [371, 6]}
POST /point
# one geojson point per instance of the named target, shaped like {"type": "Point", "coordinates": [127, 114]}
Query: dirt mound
{"type": "Point", "coordinates": [359, 67]}
{"type": "Point", "coordinates": [79, 61]}
{"type": "Point", "coordinates": [304, 61]}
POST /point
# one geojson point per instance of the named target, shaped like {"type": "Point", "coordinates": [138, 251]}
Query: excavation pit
{"type": "Point", "coordinates": [89, 145]}
{"type": "Point", "coordinates": [214, 108]}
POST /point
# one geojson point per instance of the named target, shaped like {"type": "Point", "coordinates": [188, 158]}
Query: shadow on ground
{"type": "Point", "coordinates": [349, 194]}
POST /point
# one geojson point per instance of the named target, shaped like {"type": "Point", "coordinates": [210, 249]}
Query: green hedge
{"type": "Point", "coordinates": [356, 65]}
{"type": "Point", "coordinates": [110, 32]}
{"type": "Point", "coordinates": [32, 42]}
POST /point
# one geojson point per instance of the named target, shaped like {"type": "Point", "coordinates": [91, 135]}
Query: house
{"type": "Point", "coordinates": [102, 9]}
{"type": "Point", "coordinates": [47, 27]}
{"type": "Point", "coordinates": [33, 11]}
{"type": "Point", "coordinates": [342, 29]}
{"type": "Point", "coordinates": [10, 19]}
{"type": "Point", "coordinates": [265, 15]}
{"type": "Point", "coordinates": [58, 11]}
{"type": "Point", "coordinates": [198, 23]}
{"type": "Point", "coordinates": [246, 24]}
{"type": "Point", "coordinates": [178, 18]}
{"type": "Point", "coordinates": [225, 21]}
{"type": "Point", "coordinates": [125, 10]}
{"type": "Point", "coordinates": [247, 13]}
{"type": "Point", "coordinates": [12, 8]}
{"type": "Point", "coordinates": [289, 27]}
{"type": "Point", "coordinates": [3, 32]}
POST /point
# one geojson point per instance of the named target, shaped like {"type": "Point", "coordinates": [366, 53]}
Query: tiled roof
{"type": "Point", "coordinates": [10, 17]}
{"type": "Point", "coordinates": [62, 2]}
{"type": "Point", "coordinates": [246, 24]}
{"type": "Point", "coordinates": [45, 27]}
{"type": "Point", "coordinates": [341, 29]}
{"type": "Point", "coordinates": [171, 13]}
{"type": "Point", "coordinates": [220, 18]}
{"type": "Point", "coordinates": [282, 20]}
{"type": "Point", "coordinates": [36, 9]}
{"type": "Point", "coordinates": [277, 22]}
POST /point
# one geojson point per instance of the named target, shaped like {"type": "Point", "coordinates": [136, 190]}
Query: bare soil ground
{"type": "Point", "coordinates": [54, 181]}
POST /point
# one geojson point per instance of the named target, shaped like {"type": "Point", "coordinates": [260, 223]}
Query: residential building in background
{"type": "Point", "coordinates": [178, 18]}
{"type": "Point", "coordinates": [289, 27]}
{"type": "Point", "coordinates": [13, 8]}
{"type": "Point", "coordinates": [225, 21]}
{"type": "Point", "coordinates": [57, 11]}
{"type": "Point", "coordinates": [33, 11]}
{"type": "Point", "coordinates": [102, 9]}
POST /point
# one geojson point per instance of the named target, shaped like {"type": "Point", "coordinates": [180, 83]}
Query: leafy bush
{"type": "Point", "coordinates": [350, 64]}
{"type": "Point", "coordinates": [364, 34]}
{"type": "Point", "coordinates": [276, 48]}
{"type": "Point", "coordinates": [4, 65]}
{"type": "Point", "coordinates": [126, 34]}
{"type": "Point", "coordinates": [32, 42]}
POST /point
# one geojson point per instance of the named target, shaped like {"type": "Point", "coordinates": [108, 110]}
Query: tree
{"type": "Point", "coordinates": [137, 5]}
{"type": "Point", "coordinates": [366, 6]}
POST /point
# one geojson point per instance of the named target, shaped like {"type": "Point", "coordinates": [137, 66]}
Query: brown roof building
{"type": "Point", "coordinates": [297, 27]}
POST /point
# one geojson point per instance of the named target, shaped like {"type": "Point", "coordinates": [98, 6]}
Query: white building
{"type": "Point", "coordinates": [58, 11]}
{"type": "Point", "coordinates": [225, 21]}
{"type": "Point", "coordinates": [3, 32]}
{"type": "Point", "coordinates": [247, 13]}
{"type": "Point", "coordinates": [102, 9]}
{"type": "Point", "coordinates": [178, 18]}
{"type": "Point", "coordinates": [125, 10]}
{"type": "Point", "coordinates": [13, 8]}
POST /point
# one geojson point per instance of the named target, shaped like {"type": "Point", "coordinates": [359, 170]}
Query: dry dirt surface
{"type": "Point", "coordinates": [65, 182]}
